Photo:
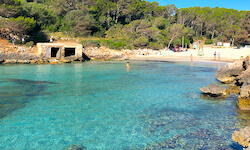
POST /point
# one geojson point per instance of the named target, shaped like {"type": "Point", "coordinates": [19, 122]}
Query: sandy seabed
{"type": "Point", "coordinates": [227, 55]}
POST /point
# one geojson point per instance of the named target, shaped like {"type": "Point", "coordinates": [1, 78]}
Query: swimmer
{"type": "Point", "coordinates": [127, 65]}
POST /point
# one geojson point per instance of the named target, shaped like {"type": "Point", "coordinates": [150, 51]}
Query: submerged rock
{"type": "Point", "coordinates": [76, 147]}
{"type": "Point", "coordinates": [214, 90]}
{"type": "Point", "coordinates": [243, 103]}
{"type": "Point", "coordinates": [192, 140]}
{"type": "Point", "coordinates": [242, 137]}
{"type": "Point", "coordinates": [22, 91]}
{"type": "Point", "coordinates": [229, 72]}
{"type": "Point", "coordinates": [29, 82]}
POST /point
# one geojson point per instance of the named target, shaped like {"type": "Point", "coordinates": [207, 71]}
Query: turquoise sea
{"type": "Point", "coordinates": [101, 105]}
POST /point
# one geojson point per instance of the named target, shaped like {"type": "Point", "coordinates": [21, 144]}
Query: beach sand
{"type": "Point", "coordinates": [227, 55]}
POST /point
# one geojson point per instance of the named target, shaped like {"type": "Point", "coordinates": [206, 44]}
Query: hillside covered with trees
{"type": "Point", "coordinates": [123, 23]}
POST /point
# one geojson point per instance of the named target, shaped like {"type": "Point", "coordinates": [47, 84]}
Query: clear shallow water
{"type": "Point", "coordinates": [101, 105]}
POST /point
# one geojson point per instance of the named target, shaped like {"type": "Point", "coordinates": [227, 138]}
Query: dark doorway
{"type": "Point", "coordinates": [70, 52]}
{"type": "Point", "coordinates": [54, 51]}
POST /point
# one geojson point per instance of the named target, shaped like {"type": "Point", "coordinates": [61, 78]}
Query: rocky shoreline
{"type": "Point", "coordinates": [24, 55]}
{"type": "Point", "coordinates": [237, 76]}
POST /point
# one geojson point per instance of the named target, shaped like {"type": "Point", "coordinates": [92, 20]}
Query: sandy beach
{"type": "Point", "coordinates": [227, 55]}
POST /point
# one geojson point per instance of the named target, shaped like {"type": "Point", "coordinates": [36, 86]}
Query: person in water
{"type": "Point", "coordinates": [127, 65]}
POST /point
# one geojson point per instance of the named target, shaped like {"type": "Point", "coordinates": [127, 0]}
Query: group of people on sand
{"type": "Point", "coordinates": [14, 40]}
{"type": "Point", "coordinates": [215, 54]}
{"type": "Point", "coordinates": [218, 55]}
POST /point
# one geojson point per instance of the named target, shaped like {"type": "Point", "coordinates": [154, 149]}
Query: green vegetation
{"type": "Point", "coordinates": [209, 41]}
{"type": "Point", "coordinates": [115, 44]}
{"type": "Point", "coordinates": [90, 43]}
{"type": "Point", "coordinates": [29, 44]}
{"type": "Point", "coordinates": [124, 24]}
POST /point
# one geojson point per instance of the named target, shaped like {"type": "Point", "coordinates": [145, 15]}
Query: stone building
{"type": "Point", "coordinates": [60, 51]}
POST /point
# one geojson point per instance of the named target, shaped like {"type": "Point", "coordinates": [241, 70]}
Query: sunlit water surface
{"type": "Point", "coordinates": [101, 105]}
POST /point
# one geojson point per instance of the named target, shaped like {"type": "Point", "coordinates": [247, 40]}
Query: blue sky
{"type": "Point", "coordinates": [234, 4]}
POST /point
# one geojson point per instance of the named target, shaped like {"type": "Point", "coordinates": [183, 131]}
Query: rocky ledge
{"type": "Point", "coordinates": [242, 137]}
{"type": "Point", "coordinates": [76, 147]}
{"type": "Point", "coordinates": [237, 75]}
{"type": "Point", "coordinates": [17, 57]}
{"type": "Point", "coordinates": [229, 72]}
{"type": "Point", "coordinates": [215, 91]}
{"type": "Point", "coordinates": [103, 53]}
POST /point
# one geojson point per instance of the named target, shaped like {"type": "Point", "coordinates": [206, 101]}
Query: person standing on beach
{"type": "Point", "coordinates": [215, 55]}
{"type": "Point", "coordinates": [13, 40]}
{"type": "Point", "coordinates": [191, 58]}
{"type": "Point", "coordinates": [22, 40]}
{"type": "Point", "coordinates": [51, 39]}
{"type": "Point", "coordinates": [219, 56]}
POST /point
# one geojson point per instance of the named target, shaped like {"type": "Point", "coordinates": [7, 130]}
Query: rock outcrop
{"type": "Point", "coordinates": [242, 137]}
{"type": "Point", "coordinates": [103, 53]}
{"type": "Point", "coordinates": [229, 72]}
{"type": "Point", "coordinates": [245, 91]}
{"type": "Point", "coordinates": [244, 78]}
{"type": "Point", "coordinates": [214, 90]}
{"type": "Point", "coordinates": [17, 57]}
{"type": "Point", "coordinates": [238, 74]}
{"type": "Point", "coordinates": [243, 81]}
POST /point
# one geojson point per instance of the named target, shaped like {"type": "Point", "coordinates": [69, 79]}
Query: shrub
{"type": "Point", "coordinates": [198, 38]}
{"type": "Point", "coordinates": [29, 44]}
{"type": "Point", "coordinates": [38, 37]}
{"type": "Point", "coordinates": [209, 41]}
{"type": "Point", "coordinates": [115, 44]}
{"type": "Point", "coordinates": [155, 46]}
{"type": "Point", "coordinates": [178, 42]}
{"type": "Point", "coordinates": [90, 43]}
{"type": "Point", "coordinates": [141, 42]}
